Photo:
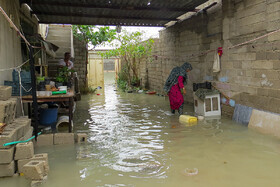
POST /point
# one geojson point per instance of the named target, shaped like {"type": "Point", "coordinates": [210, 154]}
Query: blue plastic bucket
{"type": "Point", "coordinates": [48, 116]}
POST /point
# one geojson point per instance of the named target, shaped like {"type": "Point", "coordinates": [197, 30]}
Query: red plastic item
{"type": "Point", "coordinates": [151, 93]}
{"type": "Point", "coordinates": [220, 51]}
{"type": "Point", "coordinates": [97, 94]}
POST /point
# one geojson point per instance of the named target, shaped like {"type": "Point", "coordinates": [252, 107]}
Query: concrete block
{"type": "Point", "coordinates": [273, 56]}
{"type": "Point", "coordinates": [25, 122]}
{"type": "Point", "coordinates": [7, 170]}
{"type": "Point", "coordinates": [42, 157]}
{"type": "Point", "coordinates": [21, 163]}
{"type": "Point", "coordinates": [36, 157]}
{"type": "Point", "coordinates": [262, 64]}
{"type": "Point", "coordinates": [28, 134]}
{"type": "Point", "coordinates": [63, 138]}
{"type": "Point", "coordinates": [4, 109]}
{"type": "Point", "coordinates": [18, 130]}
{"type": "Point", "coordinates": [7, 155]}
{"type": "Point", "coordinates": [43, 140]}
{"type": "Point", "coordinates": [274, 93]}
{"type": "Point", "coordinates": [34, 170]}
{"type": "Point", "coordinates": [8, 135]}
{"type": "Point", "coordinates": [5, 92]}
{"type": "Point", "coordinates": [35, 183]}
{"type": "Point", "coordinates": [8, 110]}
{"type": "Point", "coordinates": [265, 122]}
{"type": "Point", "coordinates": [274, 37]}
{"type": "Point", "coordinates": [263, 92]}
{"type": "Point", "coordinates": [276, 65]}
{"type": "Point", "coordinates": [24, 151]}
{"type": "Point", "coordinates": [81, 137]}
{"type": "Point", "coordinates": [12, 111]}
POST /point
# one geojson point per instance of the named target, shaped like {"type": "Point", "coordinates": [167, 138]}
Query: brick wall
{"type": "Point", "coordinates": [80, 61]}
{"type": "Point", "coordinates": [249, 74]}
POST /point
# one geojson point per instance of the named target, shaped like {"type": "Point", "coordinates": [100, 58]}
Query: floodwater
{"type": "Point", "coordinates": [134, 140]}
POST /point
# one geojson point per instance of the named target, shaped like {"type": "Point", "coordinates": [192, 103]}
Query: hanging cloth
{"type": "Point", "coordinates": [217, 62]}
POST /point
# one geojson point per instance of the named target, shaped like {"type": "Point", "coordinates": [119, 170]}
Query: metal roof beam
{"type": "Point", "coordinates": [103, 23]}
{"type": "Point", "coordinates": [80, 5]}
{"type": "Point", "coordinates": [101, 17]}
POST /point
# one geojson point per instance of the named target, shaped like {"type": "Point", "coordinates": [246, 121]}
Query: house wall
{"type": "Point", "coordinates": [59, 35]}
{"type": "Point", "coordinates": [62, 36]}
{"type": "Point", "coordinates": [10, 43]}
{"type": "Point", "coordinates": [80, 61]}
{"type": "Point", "coordinates": [249, 74]}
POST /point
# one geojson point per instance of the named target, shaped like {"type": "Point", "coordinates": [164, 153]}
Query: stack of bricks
{"type": "Point", "coordinates": [60, 139]}
{"type": "Point", "coordinates": [34, 167]}
{"type": "Point", "coordinates": [15, 130]}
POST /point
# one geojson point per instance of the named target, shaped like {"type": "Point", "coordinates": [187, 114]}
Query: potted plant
{"type": "Point", "coordinates": [64, 77]}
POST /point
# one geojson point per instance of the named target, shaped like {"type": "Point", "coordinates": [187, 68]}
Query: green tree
{"type": "Point", "coordinates": [131, 48]}
{"type": "Point", "coordinates": [93, 35]}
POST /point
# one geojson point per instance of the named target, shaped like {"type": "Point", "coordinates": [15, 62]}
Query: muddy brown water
{"type": "Point", "coordinates": [134, 140]}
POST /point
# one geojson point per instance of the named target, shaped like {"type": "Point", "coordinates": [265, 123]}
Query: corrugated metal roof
{"type": "Point", "coordinates": [111, 12]}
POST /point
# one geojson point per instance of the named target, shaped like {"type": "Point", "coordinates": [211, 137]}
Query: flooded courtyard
{"type": "Point", "coordinates": [134, 140]}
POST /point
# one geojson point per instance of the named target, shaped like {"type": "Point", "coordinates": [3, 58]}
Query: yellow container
{"type": "Point", "coordinates": [187, 119]}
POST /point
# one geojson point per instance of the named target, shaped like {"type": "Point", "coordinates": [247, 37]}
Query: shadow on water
{"type": "Point", "coordinates": [134, 140]}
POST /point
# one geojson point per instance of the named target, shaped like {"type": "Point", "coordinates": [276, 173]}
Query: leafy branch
{"type": "Point", "coordinates": [93, 35]}
{"type": "Point", "coordinates": [131, 48]}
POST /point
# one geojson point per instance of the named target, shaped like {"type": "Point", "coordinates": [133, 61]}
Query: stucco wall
{"type": "Point", "coordinates": [249, 74]}
{"type": "Point", "coordinates": [10, 49]}
{"type": "Point", "coordinates": [10, 44]}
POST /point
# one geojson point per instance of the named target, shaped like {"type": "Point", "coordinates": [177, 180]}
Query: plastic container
{"type": "Point", "coordinates": [59, 92]}
{"type": "Point", "coordinates": [48, 116]}
{"type": "Point", "coordinates": [43, 93]}
{"type": "Point", "coordinates": [61, 88]}
{"type": "Point", "coordinates": [210, 106]}
{"type": "Point", "coordinates": [62, 124]}
{"type": "Point", "coordinates": [188, 119]}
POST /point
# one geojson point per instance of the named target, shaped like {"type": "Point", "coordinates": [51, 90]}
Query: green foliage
{"type": "Point", "coordinates": [64, 74]}
{"type": "Point", "coordinates": [135, 81]}
{"type": "Point", "coordinates": [130, 44]}
{"type": "Point", "coordinates": [131, 48]}
{"type": "Point", "coordinates": [93, 35]}
{"type": "Point", "coordinates": [122, 84]}
{"type": "Point", "coordinates": [122, 79]}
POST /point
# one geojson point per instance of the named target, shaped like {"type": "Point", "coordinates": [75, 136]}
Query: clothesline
{"type": "Point", "coordinates": [191, 56]}
{"type": "Point", "coordinates": [18, 67]}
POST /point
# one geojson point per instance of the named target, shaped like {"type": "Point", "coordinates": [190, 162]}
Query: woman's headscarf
{"type": "Point", "coordinates": [175, 73]}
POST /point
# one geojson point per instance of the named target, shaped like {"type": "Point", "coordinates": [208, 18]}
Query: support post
{"type": "Point", "coordinates": [34, 95]}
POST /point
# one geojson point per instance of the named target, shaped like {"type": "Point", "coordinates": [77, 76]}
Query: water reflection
{"type": "Point", "coordinates": [124, 136]}
{"type": "Point", "coordinates": [134, 140]}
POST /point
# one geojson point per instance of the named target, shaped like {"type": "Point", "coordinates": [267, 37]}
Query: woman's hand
{"type": "Point", "coordinates": [184, 91]}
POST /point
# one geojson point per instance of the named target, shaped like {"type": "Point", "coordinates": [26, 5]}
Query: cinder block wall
{"type": "Point", "coordinates": [249, 74]}
{"type": "Point", "coordinates": [80, 61]}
